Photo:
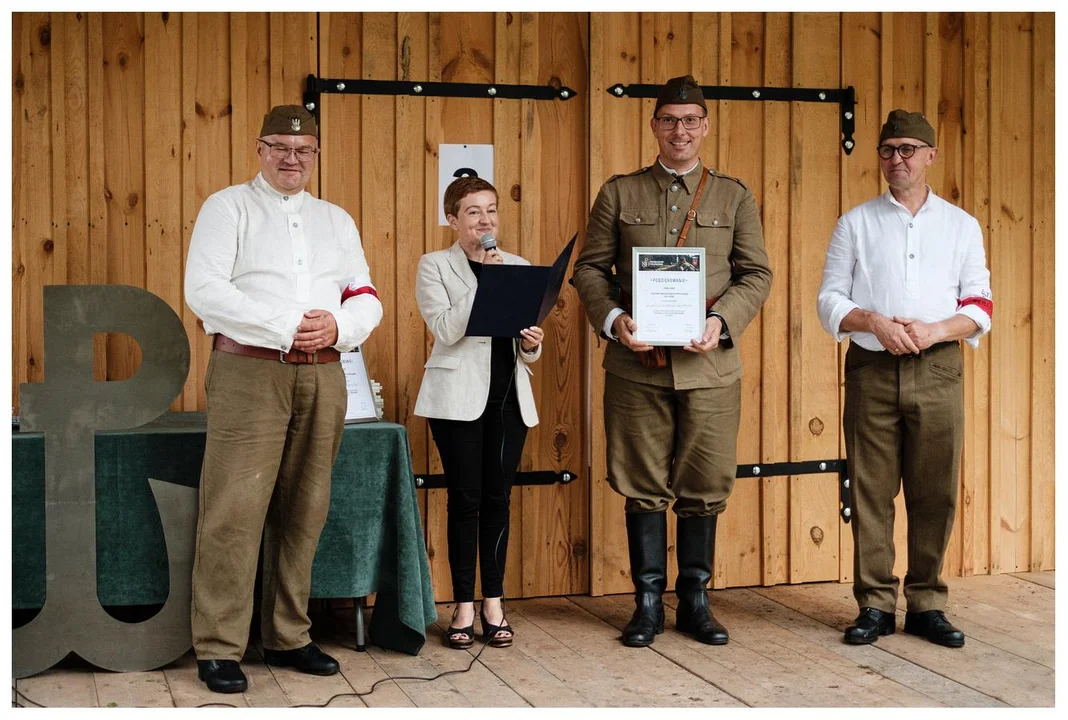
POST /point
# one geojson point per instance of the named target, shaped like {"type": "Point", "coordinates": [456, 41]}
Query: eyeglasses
{"type": "Point", "coordinates": [280, 151]}
{"type": "Point", "coordinates": [690, 122]}
{"type": "Point", "coordinates": [905, 151]}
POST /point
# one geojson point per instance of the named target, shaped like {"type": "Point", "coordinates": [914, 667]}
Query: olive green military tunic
{"type": "Point", "coordinates": [671, 432]}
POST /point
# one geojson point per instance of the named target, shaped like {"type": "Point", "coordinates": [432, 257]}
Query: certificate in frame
{"type": "Point", "coordinates": [668, 291]}
{"type": "Point", "coordinates": [361, 404]}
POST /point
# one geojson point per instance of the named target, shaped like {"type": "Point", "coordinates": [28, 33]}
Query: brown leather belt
{"type": "Point", "coordinates": [297, 357]}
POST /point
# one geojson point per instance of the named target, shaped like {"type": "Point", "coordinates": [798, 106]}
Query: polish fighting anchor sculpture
{"type": "Point", "coordinates": [69, 407]}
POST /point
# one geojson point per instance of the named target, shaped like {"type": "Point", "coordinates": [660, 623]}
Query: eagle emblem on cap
{"type": "Point", "coordinates": [295, 124]}
{"type": "Point", "coordinates": [682, 93]}
{"type": "Point", "coordinates": [897, 127]}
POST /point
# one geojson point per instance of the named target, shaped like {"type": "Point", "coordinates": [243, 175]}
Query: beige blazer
{"type": "Point", "coordinates": [456, 377]}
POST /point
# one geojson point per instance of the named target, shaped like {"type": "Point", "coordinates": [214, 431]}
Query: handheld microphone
{"type": "Point", "coordinates": [488, 242]}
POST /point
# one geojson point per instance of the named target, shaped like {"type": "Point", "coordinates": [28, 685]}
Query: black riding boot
{"type": "Point", "coordinates": [647, 539]}
{"type": "Point", "coordinates": [695, 542]}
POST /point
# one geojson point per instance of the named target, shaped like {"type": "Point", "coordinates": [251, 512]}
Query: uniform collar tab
{"type": "Point", "coordinates": [688, 179]}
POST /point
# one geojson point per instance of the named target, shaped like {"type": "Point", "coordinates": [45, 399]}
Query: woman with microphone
{"type": "Point", "coordinates": [476, 393]}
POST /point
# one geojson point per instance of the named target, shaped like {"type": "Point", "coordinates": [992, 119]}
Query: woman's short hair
{"type": "Point", "coordinates": [462, 187]}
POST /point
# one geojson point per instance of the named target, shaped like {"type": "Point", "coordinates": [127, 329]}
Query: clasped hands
{"type": "Point", "coordinates": [624, 328]}
{"type": "Point", "coordinates": [317, 330]}
{"type": "Point", "coordinates": [905, 336]}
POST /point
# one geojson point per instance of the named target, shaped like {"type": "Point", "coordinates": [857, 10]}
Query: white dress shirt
{"type": "Point", "coordinates": [258, 260]}
{"type": "Point", "coordinates": [883, 259]}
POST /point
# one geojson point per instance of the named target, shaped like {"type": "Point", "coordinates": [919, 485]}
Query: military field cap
{"type": "Point", "coordinates": [903, 124]}
{"type": "Point", "coordinates": [682, 90]}
{"type": "Point", "coordinates": [289, 120]}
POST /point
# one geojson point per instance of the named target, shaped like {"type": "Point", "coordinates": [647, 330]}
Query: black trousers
{"type": "Point", "coordinates": [480, 458]}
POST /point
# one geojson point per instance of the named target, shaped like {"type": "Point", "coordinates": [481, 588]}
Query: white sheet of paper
{"type": "Point", "coordinates": [669, 294]}
{"type": "Point", "coordinates": [361, 405]}
{"type": "Point", "coordinates": [458, 160]}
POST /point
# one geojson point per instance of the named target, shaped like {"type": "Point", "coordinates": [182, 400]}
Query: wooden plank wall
{"type": "Point", "coordinates": [986, 81]}
{"type": "Point", "coordinates": [123, 123]}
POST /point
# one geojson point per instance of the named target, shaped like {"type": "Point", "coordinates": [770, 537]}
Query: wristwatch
{"type": "Point", "coordinates": [724, 334]}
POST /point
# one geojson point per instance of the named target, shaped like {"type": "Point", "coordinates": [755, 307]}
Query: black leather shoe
{"type": "Point", "coordinates": [647, 543]}
{"type": "Point", "coordinates": [308, 659]}
{"type": "Point", "coordinates": [222, 676]}
{"type": "Point", "coordinates": [696, 546]}
{"type": "Point", "coordinates": [933, 625]}
{"type": "Point", "coordinates": [869, 625]}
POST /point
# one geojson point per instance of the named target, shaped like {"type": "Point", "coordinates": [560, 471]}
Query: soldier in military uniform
{"type": "Point", "coordinates": [672, 414]}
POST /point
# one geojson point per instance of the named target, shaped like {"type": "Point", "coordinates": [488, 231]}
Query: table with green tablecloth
{"type": "Point", "coordinates": [372, 542]}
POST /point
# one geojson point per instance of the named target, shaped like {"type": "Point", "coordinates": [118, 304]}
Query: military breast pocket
{"type": "Point", "coordinates": [714, 231]}
{"type": "Point", "coordinates": [637, 227]}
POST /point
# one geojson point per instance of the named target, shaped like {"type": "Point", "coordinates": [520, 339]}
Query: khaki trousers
{"type": "Point", "coordinates": [665, 444]}
{"type": "Point", "coordinates": [904, 428]}
{"type": "Point", "coordinates": [273, 434]}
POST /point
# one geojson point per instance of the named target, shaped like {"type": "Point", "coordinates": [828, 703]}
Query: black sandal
{"type": "Point", "coordinates": [490, 631]}
{"type": "Point", "coordinates": [455, 636]}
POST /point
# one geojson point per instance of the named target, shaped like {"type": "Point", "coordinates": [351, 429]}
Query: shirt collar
{"type": "Point", "coordinates": [688, 179]}
{"type": "Point", "coordinates": [287, 202]}
{"type": "Point", "coordinates": [931, 200]}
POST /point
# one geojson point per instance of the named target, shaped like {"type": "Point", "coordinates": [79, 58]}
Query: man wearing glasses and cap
{"type": "Point", "coordinates": [280, 281]}
{"type": "Point", "coordinates": [671, 414]}
{"type": "Point", "coordinates": [905, 279]}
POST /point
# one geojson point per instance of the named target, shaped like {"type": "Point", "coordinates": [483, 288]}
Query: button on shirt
{"type": "Point", "coordinates": [883, 259]}
{"type": "Point", "coordinates": [259, 259]}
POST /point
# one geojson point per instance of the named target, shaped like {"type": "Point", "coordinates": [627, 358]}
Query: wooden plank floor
{"type": "Point", "coordinates": [785, 651]}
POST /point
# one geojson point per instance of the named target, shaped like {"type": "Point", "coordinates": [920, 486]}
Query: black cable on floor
{"type": "Point", "coordinates": [470, 665]}
{"type": "Point", "coordinates": [388, 678]}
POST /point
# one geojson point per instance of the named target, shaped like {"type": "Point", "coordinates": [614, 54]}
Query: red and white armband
{"type": "Point", "coordinates": [358, 287]}
{"type": "Point", "coordinates": [984, 304]}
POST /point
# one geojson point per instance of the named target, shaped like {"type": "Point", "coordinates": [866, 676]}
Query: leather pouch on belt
{"type": "Point", "coordinates": [655, 358]}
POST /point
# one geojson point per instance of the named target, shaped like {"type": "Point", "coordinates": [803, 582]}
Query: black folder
{"type": "Point", "coordinates": [513, 297]}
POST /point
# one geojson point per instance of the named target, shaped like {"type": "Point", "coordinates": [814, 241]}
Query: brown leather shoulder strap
{"type": "Point", "coordinates": [692, 213]}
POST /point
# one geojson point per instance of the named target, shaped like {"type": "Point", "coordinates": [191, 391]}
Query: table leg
{"type": "Point", "coordinates": [359, 602]}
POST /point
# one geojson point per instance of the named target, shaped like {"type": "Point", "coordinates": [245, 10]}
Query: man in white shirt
{"type": "Point", "coordinates": [905, 279]}
{"type": "Point", "coordinates": [280, 281]}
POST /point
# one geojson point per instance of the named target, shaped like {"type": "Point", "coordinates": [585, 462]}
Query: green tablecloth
{"type": "Point", "coordinates": [372, 542]}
